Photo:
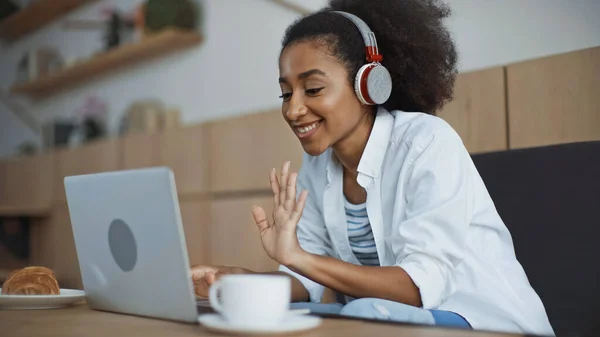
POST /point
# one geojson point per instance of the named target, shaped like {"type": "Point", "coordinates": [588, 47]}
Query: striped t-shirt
{"type": "Point", "coordinates": [360, 234]}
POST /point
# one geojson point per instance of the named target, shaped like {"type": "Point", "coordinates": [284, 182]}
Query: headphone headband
{"type": "Point", "coordinates": [368, 36]}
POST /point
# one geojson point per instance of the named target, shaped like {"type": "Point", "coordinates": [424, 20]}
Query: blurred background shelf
{"type": "Point", "coordinates": [30, 211]}
{"type": "Point", "coordinates": [35, 16]}
{"type": "Point", "coordinates": [152, 46]}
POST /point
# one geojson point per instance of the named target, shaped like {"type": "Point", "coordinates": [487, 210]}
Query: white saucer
{"type": "Point", "coordinates": [66, 298]}
{"type": "Point", "coordinates": [292, 323]}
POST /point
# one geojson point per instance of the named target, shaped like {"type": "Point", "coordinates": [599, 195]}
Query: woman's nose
{"type": "Point", "coordinates": [296, 109]}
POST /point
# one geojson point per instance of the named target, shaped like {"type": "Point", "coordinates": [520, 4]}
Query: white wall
{"type": "Point", "coordinates": [490, 33]}
{"type": "Point", "coordinates": [235, 70]}
{"type": "Point", "coordinates": [498, 32]}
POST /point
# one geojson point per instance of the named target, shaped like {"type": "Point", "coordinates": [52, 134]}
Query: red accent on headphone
{"type": "Point", "coordinates": [364, 90]}
{"type": "Point", "coordinates": [372, 55]}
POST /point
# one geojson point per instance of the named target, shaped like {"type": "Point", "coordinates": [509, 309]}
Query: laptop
{"type": "Point", "coordinates": [131, 245]}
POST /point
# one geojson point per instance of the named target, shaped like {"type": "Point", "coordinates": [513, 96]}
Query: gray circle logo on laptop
{"type": "Point", "coordinates": [122, 244]}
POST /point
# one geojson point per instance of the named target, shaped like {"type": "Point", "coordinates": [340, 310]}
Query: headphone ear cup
{"type": "Point", "coordinates": [373, 84]}
{"type": "Point", "coordinates": [358, 85]}
{"type": "Point", "coordinates": [379, 84]}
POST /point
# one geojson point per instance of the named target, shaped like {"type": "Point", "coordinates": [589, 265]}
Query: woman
{"type": "Point", "coordinates": [392, 212]}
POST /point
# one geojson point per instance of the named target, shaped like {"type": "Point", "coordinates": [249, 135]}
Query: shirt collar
{"type": "Point", "coordinates": [372, 158]}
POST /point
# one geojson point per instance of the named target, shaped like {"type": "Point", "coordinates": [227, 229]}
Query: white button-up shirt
{"type": "Point", "coordinates": [431, 215]}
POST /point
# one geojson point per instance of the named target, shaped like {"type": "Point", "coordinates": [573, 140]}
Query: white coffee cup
{"type": "Point", "coordinates": [251, 300]}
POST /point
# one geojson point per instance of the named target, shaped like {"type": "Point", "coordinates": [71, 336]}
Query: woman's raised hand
{"type": "Point", "coordinates": [279, 237]}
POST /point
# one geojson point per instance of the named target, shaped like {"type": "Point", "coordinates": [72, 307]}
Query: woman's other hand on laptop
{"type": "Point", "coordinates": [204, 276]}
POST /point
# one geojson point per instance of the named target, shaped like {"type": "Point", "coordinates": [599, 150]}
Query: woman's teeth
{"type": "Point", "coordinates": [305, 129]}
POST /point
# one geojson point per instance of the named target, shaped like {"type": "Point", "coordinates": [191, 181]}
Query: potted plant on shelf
{"type": "Point", "coordinates": [156, 15]}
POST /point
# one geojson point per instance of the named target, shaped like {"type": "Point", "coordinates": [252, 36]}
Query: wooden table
{"type": "Point", "coordinates": [79, 320]}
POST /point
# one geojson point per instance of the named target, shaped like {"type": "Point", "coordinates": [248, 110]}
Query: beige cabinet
{"type": "Point", "coordinates": [26, 184]}
{"type": "Point", "coordinates": [235, 238]}
{"type": "Point", "coordinates": [245, 149]}
{"type": "Point", "coordinates": [195, 215]}
{"type": "Point", "coordinates": [54, 247]}
{"type": "Point", "coordinates": [100, 156]}
{"type": "Point", "coordinates": [555, 99]}
{"type": "Point", "coordinates": [140, 150]}
{"type": "Point", "coordinates": [186, 152]}
{"type": "Point", "coordinates": [478, 110]}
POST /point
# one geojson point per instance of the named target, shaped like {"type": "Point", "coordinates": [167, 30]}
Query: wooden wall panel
{"type": "Point", "coordinates": [186, 152]}
{"type": "Point", "coordinates": [55, 247]}
{"type": "Point", "coordinates": [555, 99]}
{"type": "Point", "coordinates": [96, 157]}
{"type": "Point", "coordinates": [478, 110]}
{"type": "Point", "coordinates": [195, 215]}
{"type": "Point", "coordinates": [140, 150]}
{"type": "Point", "coordinates": [235, 238]}
{"type": "Point", "coordinates": [65, 254]}
{"type": "Point", "coordinates": [42, 242]}
{"type": "Point", "coordinates": [244, 149]}
{"type": "Point", "coordinates": [28, 182]}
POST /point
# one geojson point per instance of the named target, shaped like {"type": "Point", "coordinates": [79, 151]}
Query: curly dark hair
{"type": "Point", "coordinates": [417, 48]}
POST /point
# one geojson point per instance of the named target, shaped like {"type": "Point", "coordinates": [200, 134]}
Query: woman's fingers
{"type": "Point", "coordinates": [260, 218]}
{"type": "Point", "coordinates": [283, 181]}
{"type": "Point", "coordinates": [274, 187]}
{"type": "Point", "coordinates": [202, 277]}
{"type": "Point", "coordinates": [297, 213]}
{"type": "Point", "coordinates": [290, 193]}
{"type": "Point", "coordinates": [199, 271]}
{"type": "Point", "coordinates": [210, 278]}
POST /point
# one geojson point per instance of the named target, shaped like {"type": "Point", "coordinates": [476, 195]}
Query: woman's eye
{"type": "Point", "coordinates": [286, 96]}
{"type": "Point", "coordinates": [312, 92]}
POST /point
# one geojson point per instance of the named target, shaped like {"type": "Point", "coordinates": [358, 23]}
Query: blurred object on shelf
{"type": "Point", "coordinates": [139, 17]}
{"type": "Point", "coordinates": [149, 115]}
{"type": "Point", "coordinates": [112, 37]}
{"type": "Point", "coordinates": [90, 121]}
{"type": "Point", "coordinates": [119, 28]}
{"type": "Point", "coordinates": [143, 116]}
{"type": "Point", "coordinates": [27, 148]}
{"type": "Point", "coordinates": [39, 62]}
{"type": "Point", "coordinates": [56, 133]}
{"type": "Point", "coordinates": [87, 124]}
{"type": "Point", "coordinates": [171, 119]}
{"type": "Point", "coordinates": [164, 14]}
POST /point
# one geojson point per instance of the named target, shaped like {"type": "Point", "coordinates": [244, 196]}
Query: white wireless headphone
{"type": "Point", "coordinates": [373, 83]}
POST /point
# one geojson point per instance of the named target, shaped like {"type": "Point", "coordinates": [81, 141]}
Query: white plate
{"type": "Point", "coordinates": [292, 323]}
{"type": "Point", "coordinates": [66, 297]}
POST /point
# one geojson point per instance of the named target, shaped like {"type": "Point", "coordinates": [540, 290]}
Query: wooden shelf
{"type": "Point", "coordinates": [149, 47]}
{"type": "Point", "coordinates": [14, 211]}
{"type": "Point", "coordinates": [35, 16]}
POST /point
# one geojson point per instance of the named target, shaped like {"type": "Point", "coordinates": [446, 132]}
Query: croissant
{"type": "Point", "coordinates": [31, 281]}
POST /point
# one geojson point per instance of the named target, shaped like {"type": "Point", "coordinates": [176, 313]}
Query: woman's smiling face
{"type": "Point", "coordinates": [319, 103]}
